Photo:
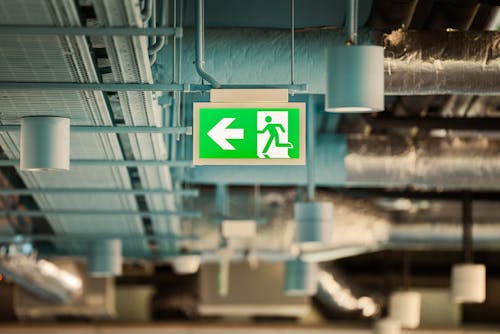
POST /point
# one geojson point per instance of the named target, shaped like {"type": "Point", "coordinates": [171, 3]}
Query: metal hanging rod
{"type": "Point", "coordinates": [19, 239]}
{"type": "Point", "coordinates": [114, 163]}
{"type": "Point", "coordinates": [35, 213]}
{"type": "Point", "coordinates": [115, 129]}
{"type": "Point", "coordinates": [98, 191]}
{"type": "Point", "coordinates": [138, 87]}
{"type": "Point", "coordinates": [89, 31]}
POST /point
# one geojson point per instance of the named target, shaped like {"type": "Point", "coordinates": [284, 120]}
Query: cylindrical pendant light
{"type": "Point", "coordinates": [404, 306]}
{"type": "Point", "coordinates": [44, 143]}
{"type": "Point", "coordinates": [468, 279]}
{"type": "Point", "coordinates": [313, 222]}
{"type": "Point", "coordinates": [186, 264]}
{"type": "Point", "coordinates": [105, 258]}
{"type": "Point", "coordinates": [301, 278]}
{"type": "Point", "coordinates": [387, 326]}
{"type": "Point", "coordinates": [355, 73]}
{"type": "Point", "coordinates": [355, 79]}
{"type": "Point", "coordinates": [468, 283]}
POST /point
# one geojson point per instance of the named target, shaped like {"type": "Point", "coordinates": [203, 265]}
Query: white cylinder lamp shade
{"type": "Point", "coordinates": [404, 307]}
{"type": "Point", "coordinates": [355, 79]}
{"type": "Point", "coordinates": [301, 278]}
{"type": "Point", "coordinates": [105, 258]}
{"type": "Point", "coordinates": [44, 143]}
{"type": "Point", "coordinates": [313, 222]}
{"type": "Point", "coordinates": [387, 326]}
{"type": "Point", "coordinates": [186, 264]}
{"type": "Point", "coordinates": [468, 283]}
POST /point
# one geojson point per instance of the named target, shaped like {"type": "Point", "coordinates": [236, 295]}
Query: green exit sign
{"type": "Point", "coordinates": [249, 134]}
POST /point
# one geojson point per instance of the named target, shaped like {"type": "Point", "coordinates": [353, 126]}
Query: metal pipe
{"type": "Point", "coordinates": [115, 129]}
{"type": "Point", "coordinates": [88, 31]}
{"type": "Point", "coordinates": [139, 87]}
{"type": "Point", "coordinates": [352, 21]}
{"type": "Point", "coordinates": [147, 12]}
{"type": "Point", "coordinates": [56, 212]}
{"type": "Point", "coordinates": [311, 134]}
{"type": "Point", "coordinates": [200, 44]}
{"type": "Point", "coordinates": [113, 163]}
{"type": "Point", "coordinates": [97, 191]}
{"type": "Point", "coordinates": [294, 87]}
{"type": "Point", "coordinates": [104, 87]}
{"type": "Point", "coordinates": [160, 41]}
{"type": "Point", "coordinates": [292, 58]}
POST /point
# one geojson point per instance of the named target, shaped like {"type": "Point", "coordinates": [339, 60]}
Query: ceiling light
{"type": "Point", "coordinates": [387, 326]}
{"type": "Point", "coordinates": [355, 73]}
{"type": "Point", "coordinates": [313, 222]}
{"type": "Point", "coordinates": [186, 264]}
{"type": "Point", "coordinates": [300, 278]}
{"type": "Point", "coordinates": [468, 283]}
{"type": "Point", "coordinates": [105, 258]}
{"type": "Point", "coordinates": [404, 306]}
{"type": "Point", "coordinates": [44, 143]}
{"type": "Point", "coordinates": [355, 79]}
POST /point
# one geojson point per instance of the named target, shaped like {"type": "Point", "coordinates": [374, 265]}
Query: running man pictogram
{"type": "Point", "coordinates": [273, 129]}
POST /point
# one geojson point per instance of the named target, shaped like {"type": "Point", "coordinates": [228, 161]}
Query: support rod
{"type": "Point", "coordinates": [200, 44]}
{"type": "Point", "coordinates": [311, 136]}
{"type": "Point", "coordinates": [88, 31]}
{"type": "Point", "coordinates": [55, 212]}
{"type": "Point", "coordinates": [467, 227]}
{"type": "Point", "coordinates": [103, 87]}
{"type": "Point", "coordinates": [352, 21]}
{"type": "Point", "coordinates": [113, 163]}
{"type": "Point", "coordinates": [98, 191]}
{"type": "Point", "coordinates": [114, 129]}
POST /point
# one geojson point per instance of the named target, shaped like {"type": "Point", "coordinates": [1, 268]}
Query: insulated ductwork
{"type": "Point", "coordinates": [40, 277]}
{"type": "Point", "coordinates": [416, 62]}
{"type": "Point", "coordinates": [442, 163]}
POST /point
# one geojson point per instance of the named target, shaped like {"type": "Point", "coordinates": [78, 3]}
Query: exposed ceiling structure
{"type": "Point", "coordinates": [402, 181]}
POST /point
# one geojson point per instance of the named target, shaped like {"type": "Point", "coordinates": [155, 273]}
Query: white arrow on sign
{"type": "Point", "coordinates": [220, 134]}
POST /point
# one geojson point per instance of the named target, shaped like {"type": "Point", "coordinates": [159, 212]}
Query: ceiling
{"type": "Point", "coordinates": [408, 166]}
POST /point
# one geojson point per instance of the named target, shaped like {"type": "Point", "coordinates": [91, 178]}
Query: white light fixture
{"type": "Point", "coordinates": [44, 143]}
{"type": "Point", "coordinates": [186, 264]}
{"type": "Point", "coordinates": [105, 258]}
{"type": "Point", "coordinates": [468, 283]}
{"type": "Point", "coordinates": [355, 73]}
{"type": "Point", "coordinates": [313, 222]}
{"type": "Point", "coordinates": [404, 306]}
{"type": "Point", "coordinates": [301, 278]}
{"type": "Point", "coordinates": [387, 326]}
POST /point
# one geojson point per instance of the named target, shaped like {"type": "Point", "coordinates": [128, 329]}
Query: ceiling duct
{"type": "Point", "coordinates": [416, 62]}
{"type": "Point", "coordinates": [40, 277]}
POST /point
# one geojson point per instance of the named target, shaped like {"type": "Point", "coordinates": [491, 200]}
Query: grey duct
{"type": "Point", "coordinates": [378, 162]}
{"type": "Point", "coordinates": [40, 277]}
{"type": "Point", "coordinates": [416, 62]}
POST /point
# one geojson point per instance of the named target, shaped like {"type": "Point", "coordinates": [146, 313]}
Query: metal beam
{"type": "Point", "coordinates": [114, 129]}
{"type": "Point", "coordinates": [140, 87]}
{"type": "Point", "coordinates": [103, 87]}
{"type": "Point", "coordinates": [98, 191]}
{"type": "Point", "coordinates": [428, 123]}
{"type": "Point", "coordinates": [41, 214]}
{"type": "Point", "coordinates": [88, 31]}
{"type": "Point", "coordinates": [114, 163]}
{"type": "Point", "coordinates": [18, 239]}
